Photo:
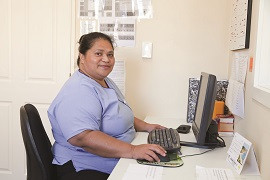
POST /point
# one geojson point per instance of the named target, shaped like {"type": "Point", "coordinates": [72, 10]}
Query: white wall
{"type": "Point", "coordinates": [255, 125]}
{"type": "Point", "coordinates": [188, 37]}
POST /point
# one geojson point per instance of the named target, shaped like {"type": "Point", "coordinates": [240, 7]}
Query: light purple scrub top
{"type": "Point", "coordinates": [84, 104]}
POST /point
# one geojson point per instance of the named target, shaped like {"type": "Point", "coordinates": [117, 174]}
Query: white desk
{"type": "Point", "coordinates": [212, 159]}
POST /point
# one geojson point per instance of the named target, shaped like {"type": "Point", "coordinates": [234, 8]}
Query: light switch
{"type": "Point", "coordinates": [147, 50]}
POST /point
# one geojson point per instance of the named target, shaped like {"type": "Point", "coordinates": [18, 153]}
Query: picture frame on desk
{"type": "Point", "coordinates": [241, 156]}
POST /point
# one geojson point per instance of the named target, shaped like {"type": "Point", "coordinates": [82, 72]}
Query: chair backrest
{"type": "Point", "coordinates": [37, 145]}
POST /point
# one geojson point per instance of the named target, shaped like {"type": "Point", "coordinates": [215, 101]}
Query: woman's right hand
{"type": "Point", "coordinates": [148, 152]}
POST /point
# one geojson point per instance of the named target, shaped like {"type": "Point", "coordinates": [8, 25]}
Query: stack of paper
{"type": "Point", "coordinates": [203, 173]}
{"type": "Point", "coordinates": [143, 172]}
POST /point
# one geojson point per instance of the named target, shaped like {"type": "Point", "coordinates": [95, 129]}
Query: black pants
{"type": "Point", "coordinates": [68, 172]}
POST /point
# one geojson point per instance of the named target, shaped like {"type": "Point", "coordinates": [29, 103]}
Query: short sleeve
{"type": "Point", "coordinates": [77, 113]}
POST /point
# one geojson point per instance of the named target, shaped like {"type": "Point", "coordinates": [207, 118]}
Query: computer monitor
{"type": "Point", "coordinates": [204, 109]}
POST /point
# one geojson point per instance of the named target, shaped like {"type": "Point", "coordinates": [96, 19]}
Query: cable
{"type": "Point", "coordinates": [196, 145]}
{"type": "Point", "coordinates": [197, 153]}
{"type": "Point", "coordinates": [218, 143]}
{"type": "Point", "coordinates": [211, 145]}
{"type": "Point", "coordinates": [223, 142]}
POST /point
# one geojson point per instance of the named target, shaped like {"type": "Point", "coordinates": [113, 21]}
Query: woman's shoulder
{"type": "Point", "coordinates": [77, 85]}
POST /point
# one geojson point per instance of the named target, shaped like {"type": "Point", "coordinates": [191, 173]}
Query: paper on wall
{"type": "Point", "coordinates": [96, 8]}
{"type": "Point", "coordinates": [118, 75]}
{"type": "Point", "coordinates": [239, 67]}
{"type": "Point", "coordinates": [87, 26]}
{"type": "Point", "coordinates": [112, 8]}
{"type": "Point", "coordinates": [235, 98]}
{"type": "Point", "coordinates": [122, 30]}
{"type": "Point", "coordinates": [135, 8]}
{"type": "Point", "coordinates": [115, 17]}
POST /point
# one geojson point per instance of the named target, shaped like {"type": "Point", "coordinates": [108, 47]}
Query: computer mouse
{"type": "Point", "coordinates": [183, 129]}
{"type": "Point", "coordinates": [163, 158]}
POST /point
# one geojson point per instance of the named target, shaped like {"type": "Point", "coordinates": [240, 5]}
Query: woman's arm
{"type": "Point", "coordinates": [142, 126]}
{"type": "Point", "coordinates": [99, 143]}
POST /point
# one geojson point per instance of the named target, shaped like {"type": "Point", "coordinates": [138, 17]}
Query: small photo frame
{"type": "Point", "coordinates": [242, 157]}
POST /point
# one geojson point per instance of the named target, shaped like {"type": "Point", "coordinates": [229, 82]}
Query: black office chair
{"type": "Point", "coordinates": [37, 145]}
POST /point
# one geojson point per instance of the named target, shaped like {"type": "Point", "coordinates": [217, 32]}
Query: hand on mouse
{"type": "Point", "coordinates": [148, 152]}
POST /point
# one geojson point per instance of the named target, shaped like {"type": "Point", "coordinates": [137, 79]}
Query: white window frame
{"type": "Point", "coordinates": [261, 89]}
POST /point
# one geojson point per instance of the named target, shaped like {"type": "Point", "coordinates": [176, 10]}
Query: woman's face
{"type": "Point", "coordinates": [98, 61]}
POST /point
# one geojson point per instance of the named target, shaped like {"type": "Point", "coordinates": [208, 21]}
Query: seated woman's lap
{"type": "Point", "coordinates": [67, 172]}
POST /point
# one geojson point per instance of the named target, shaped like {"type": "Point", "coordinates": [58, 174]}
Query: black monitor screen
{"type": "Point", "coordinates": [204, 107]}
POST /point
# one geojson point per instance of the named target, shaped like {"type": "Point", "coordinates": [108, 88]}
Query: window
{"type": "Point", "coordinates": [261, 90]}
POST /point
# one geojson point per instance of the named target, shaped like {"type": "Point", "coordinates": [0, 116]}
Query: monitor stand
{"type": "Point", "coordinates": [211, 139]}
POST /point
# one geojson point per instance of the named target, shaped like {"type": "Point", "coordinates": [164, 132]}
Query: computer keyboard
{"type": "Point", "coordinates": [167, 138]}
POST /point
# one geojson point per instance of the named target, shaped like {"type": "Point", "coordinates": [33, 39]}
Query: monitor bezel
{"type": "Point", "coordinates": [208, 107]}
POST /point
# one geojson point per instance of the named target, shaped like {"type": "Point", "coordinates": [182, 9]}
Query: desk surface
{"type": "Point", "coordinates": [212, 159]}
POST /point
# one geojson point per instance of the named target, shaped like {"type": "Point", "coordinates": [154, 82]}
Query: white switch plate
{"type": "Point", "coordinates": [147, 50]}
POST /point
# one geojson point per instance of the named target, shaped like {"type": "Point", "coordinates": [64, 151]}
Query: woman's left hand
{"type": "Point", "coordinates": [142, 126]}
{"type": "Point", "coordinates": [151, 127]}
